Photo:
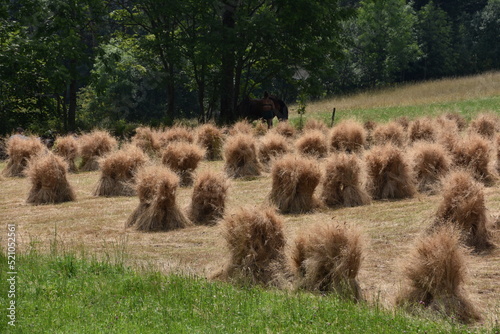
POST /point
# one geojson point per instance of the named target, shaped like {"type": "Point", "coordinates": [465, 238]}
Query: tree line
{"type": "Point", "coordinates": [69, 65]}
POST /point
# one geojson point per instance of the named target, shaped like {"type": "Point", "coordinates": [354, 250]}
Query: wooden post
{"type": "Point", "coordinates": [333, 117]}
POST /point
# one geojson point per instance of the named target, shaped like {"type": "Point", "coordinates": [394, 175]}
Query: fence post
{"type": "Point", "coordinates": [333, 117]}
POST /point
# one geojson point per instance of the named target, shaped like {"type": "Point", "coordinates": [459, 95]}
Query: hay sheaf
{"type": "Point", "coordinates": [344, 181]}
{"type": "Point", "coordinates": [117, 172]}
{"type": "Point", "coordinates": [369, 127]}
{"type": "Point", "coordinates": [271, 147]}
{"type": "Point", "coordinates": [67, 147]}
{"type": "Point", "coordinates": [445, 125]}
{"type": "Point", "coordinates": [147, 140]}
{"type": "Point", "coordinates": [436, 272]}
{"type": "Point", "coordinates": [486, 125]}
{"type": "Point", "coordinates": [93, 146]}
{"type": "Point", "coordinates": [475, 154]}
{"type": "Point", "coordinates": [430, 163]}
{"type": "Point", "coordinates": [389, 173]}
{"type": "Point", "coordinates": [176, 133]}
{"type": "Point", "coordinates": [285, 129]}
{"type": "Point", "coordinates": [497, 143]}
{"type": "Point", "coordinates": [259, 128]}
{"type": "Point", "coordinates": [463, 205]}
{"type": "Point", "coordinates": [241, 127]}
{"type": "Point", "coordinates": [312, 143]}
{"type": "Point", "coordinates": [211, 139]}
{"type": "Point", "coordinates": [240, 157]}
{"type": "Point", "coordinates": [208, 201]}
{"type": "Point", "coordinates": [256, 243]}
{"type": "Point", "coordinates": [450, 140]}
{"type": "Point", "coordinates": [162, 213]}
{"type": "Point", "coordinates": [20, 150]}
{"type": "Point", "coordinates": [327, 258]}
{"type": "Point", "coordinates": [183, 158]}
{"type": "Point", "coordinates": [404, 121]}
{"type": "Point", "coordinates": [294, 180]}
{"type": "Point", "coordinates": [389, 133]}
{"type": "Point", "coordinates": [49, 185]}
{"type": "Point", "coordinates": [422, 129]}
{"type": "Point", "coordinates": [348, 136]}
{"type": "Point", "coordinates": [146, 181]}
{"type": "Point", "coordinates": [315, 124]}
{"type": "Point", "coordinates": [458, 119]}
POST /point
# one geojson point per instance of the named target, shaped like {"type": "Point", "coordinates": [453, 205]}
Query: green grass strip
{"type": "Point", "coordinates": [65, 294]}
{"type": "Point", "coordinates": [468, 109]}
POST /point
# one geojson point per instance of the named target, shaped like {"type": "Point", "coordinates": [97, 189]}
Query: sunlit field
{"type": "Point", "coordinates": [94, 227]}
{"type": "Point", "coordinates": [467, 96]}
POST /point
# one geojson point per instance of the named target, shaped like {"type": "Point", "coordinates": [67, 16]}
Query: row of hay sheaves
{"type": "Point", "coordinates": [351, 164]}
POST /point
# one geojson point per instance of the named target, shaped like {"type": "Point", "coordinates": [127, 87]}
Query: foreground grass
{"type": "Point", "coordinates": [65, 294]}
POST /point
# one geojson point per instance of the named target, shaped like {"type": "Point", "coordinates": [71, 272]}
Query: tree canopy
{"type": "Point", "coordinates": [72, 65]}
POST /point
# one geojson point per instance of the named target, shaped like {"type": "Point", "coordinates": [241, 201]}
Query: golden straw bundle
{"type": "Point", "coordinates": [256, 243]}
{"type": "Point", "coordinates": [49, 185]}
{"type": "Point", "coordinates": [93, 146]}
{"type": "Point", "coordinates": [327, 258]}
{"type": "Point", "coordinates": [344, 182]}
{"type": "Point", "coordinates": [20, 150]}
{"type": "Point", "coordinates": [294, 180]}
{"type": "Point", "coordinates": [209, 198]}
{"type": "Point", "coordinates": [163, 213]}
{"type": "Point", "coordinates": [183, 158]}
{"type": "Point", "coordinates": [240, 155]}
{"type": "Point", "coordinates": [436, 270]}
{"type": "Point", "coordinates": [118, 170]}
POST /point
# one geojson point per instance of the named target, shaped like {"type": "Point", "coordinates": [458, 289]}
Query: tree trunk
{"type": "Point", "coordinates": [72, 105]}
{"type": "Point", "coordinates": [237, 83]}
{"type": "Point", "coordinates": [170, 101]}
{"type": "Point", "coordinates": [201, 99]}
{"type": "Point", "coordinates": [227, 76]}
{"type": "Point", "coordinates": [169, 70]}
{"type": "Point", "coordinates": [61, 111]}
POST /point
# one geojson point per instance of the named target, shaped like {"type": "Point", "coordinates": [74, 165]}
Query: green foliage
{"type": "Point", "coordinates": [301, 107]}
{"type": "Point", "coordinates": [486, 25]}
{"type": "Point", "coordinates": [46, 53]}
{"type": "Point", "coordinates": [387, 42]}
{"type": "Point", "coordinates": [122, 88]}
{"type": "Point", "coordinates": [435, 38]}
{"type": "Point", "coordinates": [302, 103]}
{"type": "Point", "coordinates": [21, 102]}
{"type": "Point", "coordinates": [65, 294]}
{"type": "Point", "coordinates": [67, 64]}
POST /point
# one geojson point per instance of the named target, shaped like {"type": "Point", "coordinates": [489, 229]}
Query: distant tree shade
{"type": "Point", "coordinates": [74, 65]}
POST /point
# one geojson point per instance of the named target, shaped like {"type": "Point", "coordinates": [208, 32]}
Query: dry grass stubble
{"type": "Point", "coordinates": [389, 226]}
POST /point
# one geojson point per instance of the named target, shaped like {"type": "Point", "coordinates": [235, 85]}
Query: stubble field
{"type": "Point", "coordinates": [94, 226]}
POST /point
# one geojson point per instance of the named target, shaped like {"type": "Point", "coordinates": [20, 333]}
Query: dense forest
{"type": "Point", "coordinates": [69, 65]}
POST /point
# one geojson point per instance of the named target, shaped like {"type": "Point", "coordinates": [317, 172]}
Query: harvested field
{"type": "Point", "coordinates": [390, 228]}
